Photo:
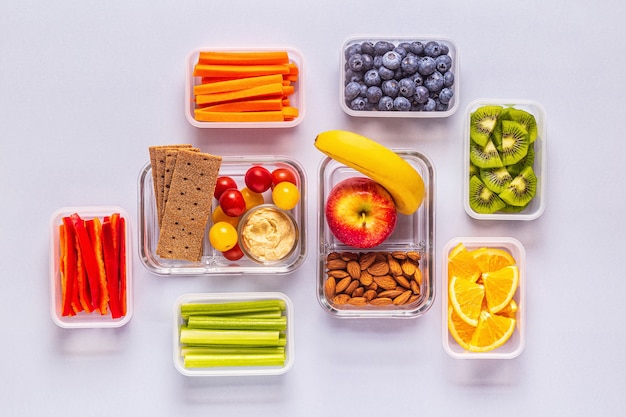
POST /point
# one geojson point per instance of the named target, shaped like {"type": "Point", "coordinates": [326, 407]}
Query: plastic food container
{"type": "Point", "coordinates": [212, 261]}
{"type": "Point", "coordinates": [371, 110]}
{"type": "Point", "coordinates": [537, 205]}
{"type": "Point", "coordinates": [515, 345]}
{"type": "Point", "coordinates": [214, 298]}
{"type": "Point", "coordinates": [83, 319]}
{"type": "Point", "coordinates": [296, 99]}
{"type": "Point", "coordinates": [413, 234]}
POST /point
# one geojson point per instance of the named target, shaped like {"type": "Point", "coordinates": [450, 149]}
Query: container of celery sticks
{"type": "Point", "coordinates": [233, 334]}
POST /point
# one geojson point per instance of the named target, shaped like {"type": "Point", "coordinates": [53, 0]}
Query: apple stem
{"type": "Point", "coordinates": [363, 219]}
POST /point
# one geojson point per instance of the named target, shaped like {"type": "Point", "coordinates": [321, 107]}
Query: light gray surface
{"type": "Point", "coordinates": [86, 87]}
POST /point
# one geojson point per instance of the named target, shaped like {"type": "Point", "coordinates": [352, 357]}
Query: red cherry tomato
{"type": "Point", "coordinates": [258, 179]}
{"type": "Point", "coordinates": [223, 184]}
{"type": "Point", "coordinates": [232, 202]}
{"type": "Point", "coordinates": [283, 174]}
{"type": "Point", "coordinates": [234, 253]}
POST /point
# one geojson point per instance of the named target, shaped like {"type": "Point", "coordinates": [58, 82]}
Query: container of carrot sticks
{"type": "Point", "coordinates": [244, 87]}
{"type": "Point", "coordinates": [233, 334]}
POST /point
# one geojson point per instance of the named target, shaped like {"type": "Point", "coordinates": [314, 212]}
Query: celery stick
{"type": "Point", "coordinates": [213, 350]}
{"type": "Point", "coordinates": [231, 307]}
{"type": "Point", "coordinates": [202, 361]}
{"type": "Point", "coordinates": [214, 322]}
{"type": "Point", "coordinates": [260, 315]}
{"type": "Point", "coordinates": [229, 337]}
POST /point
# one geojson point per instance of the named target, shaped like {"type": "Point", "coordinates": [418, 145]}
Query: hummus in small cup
{"type": "Point", "coordinates": [268, 234]}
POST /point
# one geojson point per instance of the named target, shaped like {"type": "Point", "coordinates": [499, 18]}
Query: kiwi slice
{"type": "Point", "coordinates": [482, 122]}
{"type": "Point", "coordinates": [514, 142]}
{"type": "Point", "coordinates": [486, 156]}
{"type": "Point", "coordinates": [496, 179]}
{"type": "Point", "coordinates": [473, 170]}
{"type": "Point", "coordinates": [525, 119]}
{"type": "Point", "coordinates": [526, 161]}
{"type": "Point", "coordinates": [522, 189]}
{"type": "Point", "coordinates": [482, 199]}
{"type": "Point", "coordinates": [513, 209]}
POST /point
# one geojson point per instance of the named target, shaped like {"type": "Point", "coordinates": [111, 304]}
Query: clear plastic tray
{"type": "Point", "coordinates": [538, 204]}
{"type": "Point", "coordinates": [515, 345]}
{"type": "Point", "coordinates": [453, 53]}
{"type": "Point", "coordinates": [83, 319]}
{"type": "Point", "coordinates": [212, 261]}
{"type": "Point", "coordinates": [297, 99]}
{"type": "Point", "coordinates": [412, 233]}
{"type": "Point", "coordinates": [232, 370]}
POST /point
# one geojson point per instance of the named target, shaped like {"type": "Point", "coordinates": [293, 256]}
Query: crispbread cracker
{"type": "Point", "coordinates": [170, 164]}
{"type": "Point", "coordinates": [188, 206]}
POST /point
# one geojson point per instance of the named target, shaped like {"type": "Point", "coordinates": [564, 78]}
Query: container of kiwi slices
{"type": "Point", "coordinates": [505, 159]}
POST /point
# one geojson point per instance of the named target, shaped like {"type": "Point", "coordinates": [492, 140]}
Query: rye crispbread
{"type": "Point", "coordinates": [188, 206]}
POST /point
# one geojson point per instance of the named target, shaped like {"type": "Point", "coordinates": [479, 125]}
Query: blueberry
{"type": "Point", "coordinates": [381, 47]}
{"type": "Point", "coordinates": [426, 65]}
{"type": "Point", "coordinates": [385, 103]}
{"type": "Point", "coordinates": [372, 77]}
{"type": "Point", "coordinates": [439, 106]}
{"type": "Point", "coordinates": [353, 76]}
{"type": "Point", "coordinates": [445, 50]}
{"type": "Point", "coordinates": [417, 79]}
{"type": "Point", "coordinates": [386, 73]}
{"type": "Point", "coordinates": [402, 104]}
{"type": "Point", "coordinates": [405, 45]}
{"type": "Point", "coordinates": [448, 79]}
{"type": "Point", "coordinates": [443, 63]}
{"type": "Point", "coordinates": [446, 95]}
{"type": "Point", "coordinates": [421, 94]}
{"type": "Point", "coordinates": [352, 90]}
{"type": "Point", "coordinates": [392, 60]}
{"type": "Point", "coordinates": [432, 49]}
{"type": "Point", "coordinates": [355, 62]}
{"type": "Point", "coordinates": [409, 63]}
{"type": "Point", "coordinates": [434, 82]}
{"type": "Point", "coordinates": [352, 49]}
{"type": "Point", "coordinates": [368, 61]}
{"type": "Point", "coordinates": [363, 90]}
{"type": "Point", "coordinates": [430, 105]}
{"type": "Point", "coordinates": [400, 51]}
{"type": "Point", "coordinates": [417, 48]}
{"type": "Point", "coordinates": [390, 88]}
{"type": "Point", "coordinates": [373, 94]}
{"type": "Point", "coordinates": [367, 48]}
{"type": "Point", "coordinates": [407, 87]}
{"type": "Point", "coordinates": [378, 61]}
{"type": "Point", "coordinates": [358, 103]}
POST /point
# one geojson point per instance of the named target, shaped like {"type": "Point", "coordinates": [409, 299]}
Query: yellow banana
{"type": "Point", "coordinates": [377, 162]}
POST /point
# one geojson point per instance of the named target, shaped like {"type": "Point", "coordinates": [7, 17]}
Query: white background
{"type": "Point", "coordinates": [87, 86]}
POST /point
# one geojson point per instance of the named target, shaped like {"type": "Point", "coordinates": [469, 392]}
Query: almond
{"type": "Point", "coordinates": [386, 282]}
{"type": "Point", "coordinates": [390, 293]}
{"type": "Point", "coordinates": [415, 287]}
{"type": "Point", "coordinates": [349, 256]}
{"type": "Point", "coordinates": [366, 260]}
{"type": "Point", "coordinates": [372, 286]}
{"type": "Point", "coordinates": [343, 284]}
{"type": "Point", "coordinates": [414, 256]}
{"type": "Point", "coordinates": [358, 292]}
{"type": "Point", "coordinates": [329, 287]}
{"type": "Point", "coordinates": [402, 281]}
{"type": "Point", "coordinates": [379, 268]}
{"type": "Point", "coordinates": [402, 298]}
{"type": "Point", "coordinates": [370, 294]}
{"type": "Point", "coordinates": [381, 256]}
{"type": "Point", "coordinates": [336, 264]}
{"type": "Point", "coordinates": [353, 269]}
{"type": "Point", "coordinates": [366, 278]}
{"type": "Point", "coordinates": [417, 276]}
{"type": "Point", "coordinates": [394, 265]}
{"type": "Point", "coordinates": [338, 273]}
{"type": "Point", "coordinates": [354, 284]}
{"type": "Point", "coordinates": [357, 301]}
{"type": "Point", "coordinates": [413, 299]}
{"type": "Point", "coordinates": [381, 301]}
{"type": "Point", "coordinates": [408, 267]}
{"type": "Point", "coordinates": [341, 299]}
{"type": "Point", "coordinates": [399, 255]}
{"type": "Point", "coordinates": [333, 255]}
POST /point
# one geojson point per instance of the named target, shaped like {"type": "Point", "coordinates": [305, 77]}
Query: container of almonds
{"type": "Point", "coordinates": [391, 280]}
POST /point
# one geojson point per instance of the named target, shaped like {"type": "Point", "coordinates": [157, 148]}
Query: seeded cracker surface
{"type": "Point", "coordinates": [170, 165]}
{"type": "Point", "coordinates": [188, 206]}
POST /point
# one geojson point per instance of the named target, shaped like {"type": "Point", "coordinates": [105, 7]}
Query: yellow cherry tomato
{"type": "Point", "coordinates": [219, 216]}
{"type": "Point", "coordinates": [252, 198]}
{"type": "Point", "coordinates": [286, 195]}
{"type": "Point", "coordinates": [223, 236]}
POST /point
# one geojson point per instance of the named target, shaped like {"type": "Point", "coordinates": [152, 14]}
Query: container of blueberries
{"type": "Point", "coordinates": [411, 77]}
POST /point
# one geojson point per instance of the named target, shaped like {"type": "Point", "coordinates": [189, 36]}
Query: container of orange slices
{"type": "Point", "coordinates": [483, 292]}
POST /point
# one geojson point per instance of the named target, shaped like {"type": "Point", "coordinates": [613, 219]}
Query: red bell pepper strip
{"type": "Point", "coordinates": [111, 264]}
{"type": "Point", "coordinates": [83, 298]}
{"type": "Point", "coordinates": [94, 230]}
{"type": "Point", "coordinates": [66, 280]}
{"type": "Point", "coordinates": [122, 263]}
{"type": "Point", "coordinates": [88, 256]}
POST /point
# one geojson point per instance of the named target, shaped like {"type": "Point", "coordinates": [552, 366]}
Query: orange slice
{"type": "Point", "coordinates": [500, 287]}
{"type": "Point", "coordinates": [460, 331]}
{"type": "Point", "coordinates": [466, 297]}
{"type": "Point", "coordinates": [510, 310]}
{"type": "Point", "coordinates": [492, 259]}
{"type": "Point", "coordinates": [492, 332]}
{"type": "Point", "coordinates": [462, 264]}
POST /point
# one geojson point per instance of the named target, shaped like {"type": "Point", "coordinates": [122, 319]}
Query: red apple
{"type": "Point", "coordinates": [360, 212]}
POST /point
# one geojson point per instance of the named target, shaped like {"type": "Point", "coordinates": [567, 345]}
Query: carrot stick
{"type": "Point", "coordinates": [248, 116]}
{"type": "Point", "coordinates": [201, 70]}
{"type": "Point", "coordinates": [290, 113]}
{"type": "Point", "coordinates": [258, 91]}
{"type": "Point", "coordinates": [246, 105]}
{"type": "Point", "coordinates": [236, 84]}
{"type": "Point", "coordinates": [289, 90]}
{"type": "Point", "coordinates": [243, 57]}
